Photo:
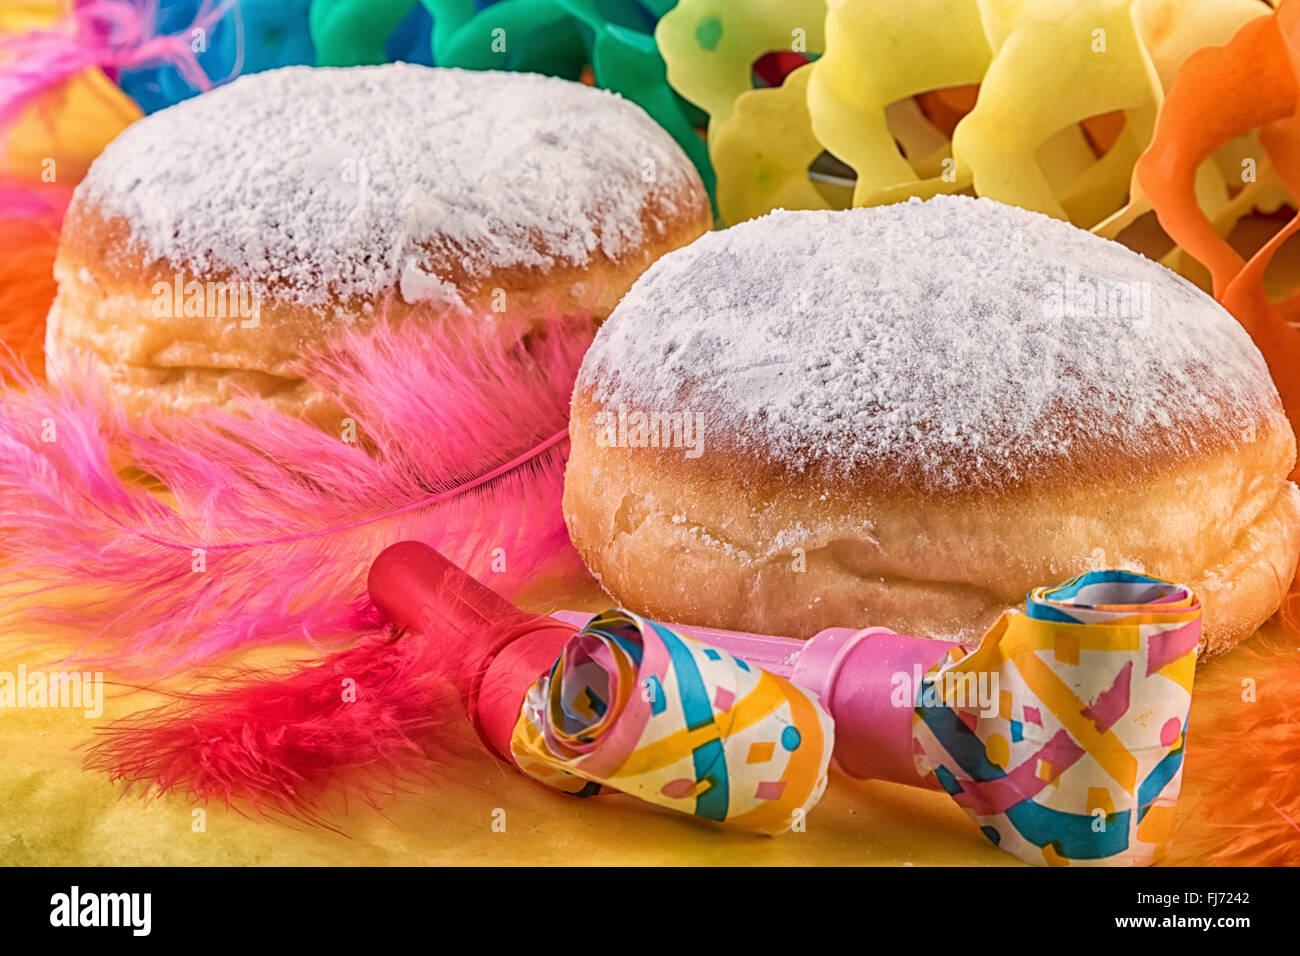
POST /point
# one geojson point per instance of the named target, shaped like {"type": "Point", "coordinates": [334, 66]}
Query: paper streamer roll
{"type": "Point", "coordinates": [1062, 734]}
{"type": "Point", "coordinates": [636, 707]}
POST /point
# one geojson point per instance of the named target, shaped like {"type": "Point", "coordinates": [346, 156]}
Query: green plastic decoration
{"type": "Point", "coordinates": [353, 32]}
{"type": "Point", "coordinates": [555, 37]}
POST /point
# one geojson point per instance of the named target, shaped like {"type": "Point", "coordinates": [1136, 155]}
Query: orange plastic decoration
{"type": "Point", "coordinates": [1219, 94]}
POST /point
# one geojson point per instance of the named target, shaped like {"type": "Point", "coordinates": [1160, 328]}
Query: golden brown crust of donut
{"type": "Point", "coordinates": [1093, 457]}
{"type": "Point", "coordinates": [105, 302]}
{"type": "Point", "coordinates": [783, 554]}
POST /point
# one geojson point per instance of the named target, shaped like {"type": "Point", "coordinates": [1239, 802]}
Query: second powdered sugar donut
{"type": "Point", "coordinates": [909, 416]}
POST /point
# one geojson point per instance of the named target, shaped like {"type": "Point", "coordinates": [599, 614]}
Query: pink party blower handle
{"type": "Point", "coordinates": [867, 680]}
{"type": "Point", "coordinates": [499, 650]}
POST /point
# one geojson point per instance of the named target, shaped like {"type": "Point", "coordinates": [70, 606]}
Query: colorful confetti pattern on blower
{"type": "Point", "coordinates": [636, 707]}
{"type": "Point", "coordinates": [1069, 769]}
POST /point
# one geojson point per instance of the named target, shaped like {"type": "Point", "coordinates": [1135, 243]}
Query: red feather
{"type": "Point", "coordinates": [359, 720]}
{"type": "Point", "coordinates": [465, 441]}
{"type": "Point", "coordinates": [355, 723]}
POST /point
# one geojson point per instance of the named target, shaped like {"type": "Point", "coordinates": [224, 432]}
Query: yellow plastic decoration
{"type": "Point", "coordinates": [1023, 141]}
{"type": "Point", "coordinates": [766, 146]}
{"type": "Point", "coordinates": [710, 46]}
{"type": "Point", "coordinates": [1041, 103]}
{"type": "Point", "coordinates": [1002, 16]}
{"type": "Point", "coordinates": [875, 57]}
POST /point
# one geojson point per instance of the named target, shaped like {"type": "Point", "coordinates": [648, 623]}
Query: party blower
{"type": "Point", "coordinates": [622, 703]}
{"type": "Point", "coordinates": [1061, 734]}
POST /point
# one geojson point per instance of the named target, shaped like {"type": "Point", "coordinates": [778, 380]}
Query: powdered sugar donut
{"type": "Point", "coordinates": [911, 415]}
{"type": "Point", "coordinates": [215, 241]}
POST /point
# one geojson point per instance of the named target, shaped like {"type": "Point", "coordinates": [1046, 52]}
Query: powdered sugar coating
{"type": "Point", "coordinates": [933, 343]}
{"type": "Point", "coordinates": [353, 181]}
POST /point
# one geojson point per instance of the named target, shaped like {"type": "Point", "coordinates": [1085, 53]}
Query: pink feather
{"type": "Point", "coordinates": [465, 445]}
